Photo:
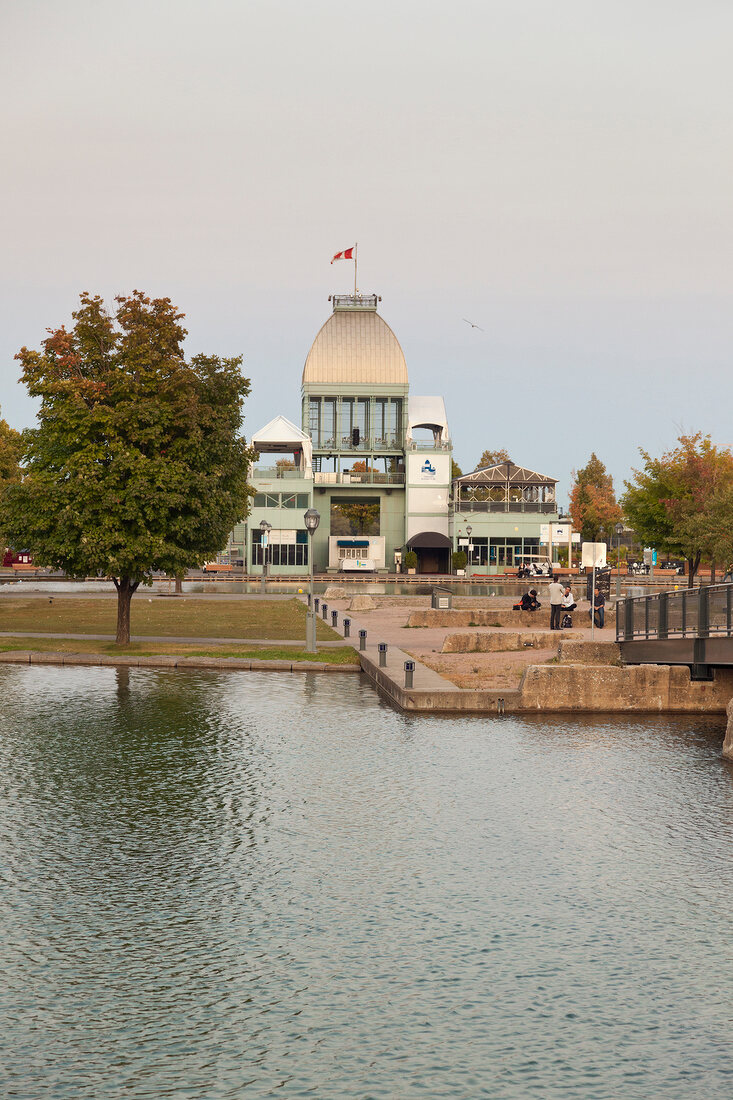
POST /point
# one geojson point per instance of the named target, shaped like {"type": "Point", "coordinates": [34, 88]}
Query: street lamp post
{"type": "Point", "coordinates": [619, 531]}
{"type": "Point", "coordinates": [311, 518]}
{"type": "Point", "coordinates": [265, 527]}
{"type": "Point", "coordinates": [469, 529]}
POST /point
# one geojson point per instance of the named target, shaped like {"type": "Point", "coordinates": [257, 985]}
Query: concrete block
{"type": "Point", "coordinates": [15, 657]}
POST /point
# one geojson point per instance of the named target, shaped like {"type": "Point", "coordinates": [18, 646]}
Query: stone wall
{"type": "Point", "coordinates": [500, 616]}
{"type": "Point", "coordinates": [638, 688]}
{"type": "Point", "coordinates": [488, 641]}
{"type": "Point", "coordinates": [728, 743]}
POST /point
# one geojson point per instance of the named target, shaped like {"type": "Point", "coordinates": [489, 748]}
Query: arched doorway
{"type": "Point", "coordinates": [433, 552]}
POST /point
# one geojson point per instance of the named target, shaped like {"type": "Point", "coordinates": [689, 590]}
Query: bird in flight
{"type": "Point", "coordinates": [472, 324]}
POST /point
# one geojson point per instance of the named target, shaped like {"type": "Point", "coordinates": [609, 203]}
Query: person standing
{"type": "Point", "coordinates": [557, 592]}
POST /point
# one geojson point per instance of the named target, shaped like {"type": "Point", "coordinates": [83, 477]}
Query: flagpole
{"type": "Point", "coordinates": [355, 248]}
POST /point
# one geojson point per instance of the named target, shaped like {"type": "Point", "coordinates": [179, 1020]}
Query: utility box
{"type": "Point", "coordinates": [442, 599]}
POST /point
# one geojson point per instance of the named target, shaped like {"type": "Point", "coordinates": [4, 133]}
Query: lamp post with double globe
{"type": "Point", "coordinates": [311, 518]}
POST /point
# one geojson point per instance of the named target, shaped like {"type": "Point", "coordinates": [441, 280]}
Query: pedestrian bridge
{"type": "Point", "coordinates": [690, 627]}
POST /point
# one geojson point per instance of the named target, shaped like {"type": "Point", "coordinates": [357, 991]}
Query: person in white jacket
{"type": "Point", "coordinates": [556, 592]}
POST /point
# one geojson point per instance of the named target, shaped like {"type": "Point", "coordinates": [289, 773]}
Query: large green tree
{"type": "Point", "coordinates": [593, 502]}
{"type": "Point", "coordinates": [11, 448]}
{"type": "Point", "coordinates": [680, 502]}
{"type": "Point", "coordinates": [137, 463]}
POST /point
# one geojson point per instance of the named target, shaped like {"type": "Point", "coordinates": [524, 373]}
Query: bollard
{"type": "Point", "coordinates": [409, 673]}
{"type": "Point", "coordinates": [347, 627]}
{"type": "Point", "coordinates": [324, 609]}
{"type": "Point", "coordinates": [362, 640]}
{"type": "Point", "coordinates": [316, 603]}
{"type": "Point", "coordinates": [309, 599]}
{"type": "Point", "coordinates": [382, 647]}
{"type": "Point", "coordinates": [334, 618]}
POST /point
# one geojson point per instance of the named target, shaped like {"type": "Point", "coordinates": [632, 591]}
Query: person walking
{"type": "Point", "coordinates": [557, 592]}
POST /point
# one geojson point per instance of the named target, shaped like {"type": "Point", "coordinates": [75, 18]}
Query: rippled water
{"type": "Point", "coordinates": [225, 885]}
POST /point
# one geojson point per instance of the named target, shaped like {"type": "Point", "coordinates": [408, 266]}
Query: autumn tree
{"type": "Point", "coordinates": [492, 458]}
{"type": "Point", "coordinates": [593, 502]}
{"type": "Point", "coordinates": [137, 463]}
{"type": "Point", "coordinates": [455, 470]}
{"type": "Point", "coordinates": [681, 502]}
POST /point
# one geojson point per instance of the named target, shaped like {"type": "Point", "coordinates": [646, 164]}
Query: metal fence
{"type": "Point", "coordinates": [690, 613]}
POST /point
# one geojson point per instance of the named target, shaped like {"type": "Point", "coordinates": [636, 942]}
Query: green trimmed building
{"type": "Point", "coordinates": [376, 464]}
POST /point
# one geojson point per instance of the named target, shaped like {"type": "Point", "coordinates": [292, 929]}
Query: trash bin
{"type": "Point", "coordinates": [442, 599]}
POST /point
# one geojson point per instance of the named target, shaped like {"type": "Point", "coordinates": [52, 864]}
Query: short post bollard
{"type": "Point", "coordinates": [409, 673]}
{"type": "Point", "coordinates": [316, 604]}
{"type": "Point", "coordinates": [309, 599]}
{"type": "Point", "coordinates": [347, 627]}
{"type": "Point", "coordinates": [382, 647]}
{"type": "Point", "coordinates": [334, 618]}
{"type": "Point", "coordinates": [362, 639]}
{"type": "Point", "coordinates": [324, 609]}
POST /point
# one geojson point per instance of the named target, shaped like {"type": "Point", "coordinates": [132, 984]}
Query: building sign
{"type": "Point", "coordinates": [427, 471]}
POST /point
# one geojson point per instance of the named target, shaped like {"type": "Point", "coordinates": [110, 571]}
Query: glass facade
{"type": "Point", "coordinates": [284, 548]}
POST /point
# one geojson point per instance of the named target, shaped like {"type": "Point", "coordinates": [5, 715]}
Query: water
{"type": "Point", "coordinates": [15, 586]}
{"type": "Point", "coordinates": [233, 886]}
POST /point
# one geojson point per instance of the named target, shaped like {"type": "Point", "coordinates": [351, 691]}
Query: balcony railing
{"type": "Point", "coordinates": [423, 445]}
{"type": "Point", "coordinates": [265, 472]}
{"type": "Point", "coordinates": [543, 507]}
{"type": "Point", "coordinates": [365, 444]}
{"type": "Point", "coordinates": [363, 477]}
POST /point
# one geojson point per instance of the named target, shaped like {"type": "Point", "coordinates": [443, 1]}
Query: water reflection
{"type": "Point", "coordinates": [229, 886]}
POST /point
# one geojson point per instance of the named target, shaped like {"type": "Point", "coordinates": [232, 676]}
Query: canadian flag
{"type": "Point", "coordinates": [347, 254]}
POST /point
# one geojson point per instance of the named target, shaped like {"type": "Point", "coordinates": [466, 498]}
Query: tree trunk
{"type": "Point", "coordinates": [179, 586]}
{"type": "Point", "coordinates": [692, 566]}
{"type": "Point", "coordinates": [712, 571]}
{"type": "Point", "coordinates": [126, 589]}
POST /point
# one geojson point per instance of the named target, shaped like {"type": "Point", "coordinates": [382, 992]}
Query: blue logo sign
{"type": "Point", "coordinates": [427, 467]}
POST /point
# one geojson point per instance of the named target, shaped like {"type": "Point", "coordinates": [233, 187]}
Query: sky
{"type": "Point", "coordinates": [560, 174]}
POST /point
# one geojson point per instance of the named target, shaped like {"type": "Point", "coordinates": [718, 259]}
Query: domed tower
{"type": "Point", "coordinates": [355, 391]}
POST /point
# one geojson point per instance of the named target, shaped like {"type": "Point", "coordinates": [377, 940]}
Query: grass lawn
{"type": "Point", "coordinates": [166, 617]}
{"type": "Point", "coordinates": [340, 655]}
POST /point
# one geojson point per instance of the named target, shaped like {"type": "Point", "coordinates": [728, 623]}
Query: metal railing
{"type": "Point", "coordinates": [690, 613]}
{"type": "Point", "coordinates": [424, 445]}
{"type": "Point", "coordinates": [277, 471]}
{"type": "Point", "coordinates": [364, 477]}
{"type": "Point", "coordinates": [544, 507]}
{"type": "Point", "coordinates": [366, 443]}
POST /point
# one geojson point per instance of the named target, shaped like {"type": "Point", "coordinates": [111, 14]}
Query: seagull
{"type": "Point", "coordinates": [472, 324]}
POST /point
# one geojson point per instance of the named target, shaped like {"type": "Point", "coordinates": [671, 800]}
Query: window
{"type": "Point", "coordinates": [314, 419]}
{"type": "Point", "coordinates": [292, 551]}
{"type": "Point", "coordinates": [355, 516]}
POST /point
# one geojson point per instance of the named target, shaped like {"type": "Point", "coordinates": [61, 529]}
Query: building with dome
{"type": "Point", "coordinates": [373, 460]}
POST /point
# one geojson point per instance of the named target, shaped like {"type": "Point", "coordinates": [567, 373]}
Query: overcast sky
{"type": "Point", "coordinates": [558, 173]}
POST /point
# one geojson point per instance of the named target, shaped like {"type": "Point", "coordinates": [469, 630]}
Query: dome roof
{"type": "Point", "coordinates": [355, 346]}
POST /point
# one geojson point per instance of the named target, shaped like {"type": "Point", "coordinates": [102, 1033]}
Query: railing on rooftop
{"type": "Point", "coordinates": [690, 613]}
{"type": "Point", "coordinates": [355, 301]}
